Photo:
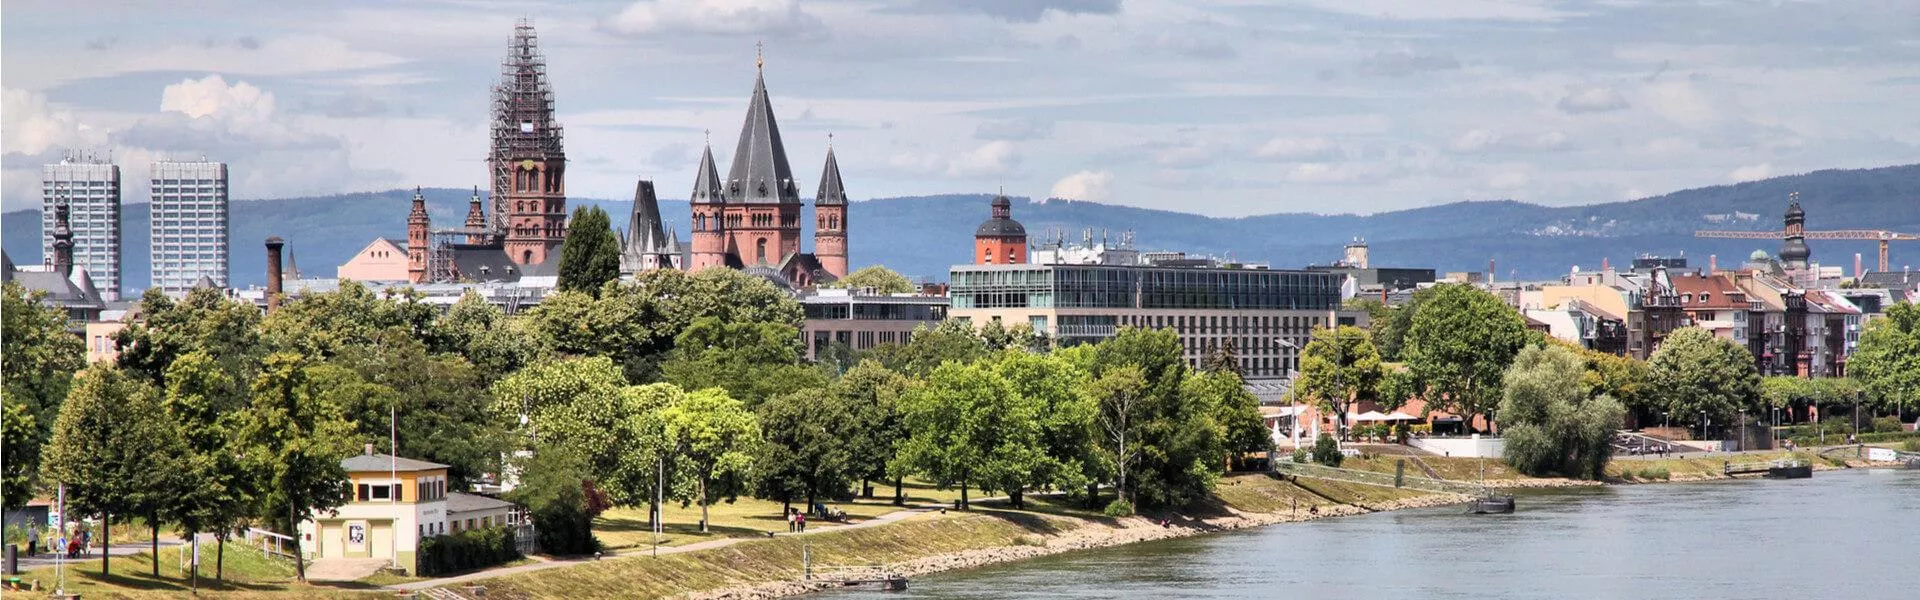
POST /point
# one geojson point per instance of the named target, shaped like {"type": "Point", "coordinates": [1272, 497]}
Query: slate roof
{"type": "Point", "coordinates": [760, 174]}
{"type": "Point", "coordinates": [832, 190]}
{"type": "Point", "coordinates": [489, 262]}
{"type": "Point", "coordinates": [644, 231]}
{"type": "Point", "coordinates": [460, 502]}
{"type": "Point", "coordinates": [1002, 223]}
{"type": "Point", "coordinates": [1900, 283]}
{"type": "Point", "coordinates": [706, 182]}
{"type": "Point", "coordinates": [376, 462]}
{"type": "Point", "coordinates": [72, 292]}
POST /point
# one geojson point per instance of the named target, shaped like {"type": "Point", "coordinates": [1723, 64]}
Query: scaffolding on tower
{"type": "Point", "coordinates": [523, 127]}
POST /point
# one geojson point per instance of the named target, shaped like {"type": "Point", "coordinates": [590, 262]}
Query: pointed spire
{"type": "Point", "coordinates": [644, 232]}
{"type": "Point", "coordinates": [760, 174]}
{"type": "Point", "coordinates": [706, 182]}
{"type": "Point", "coordinates": [832, 189]}
{"type": "Point", "coordinates": [62, 241]}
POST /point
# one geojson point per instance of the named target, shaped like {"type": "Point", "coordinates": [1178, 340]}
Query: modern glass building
{"type": "Point", "coordinates": [861, 321]}
{"type": "Point", "coordinates": [90, 187]}
{"type": "Point", "coordinates": [189, 225]}
{"type": "Point", "coordinates": [1265, 314]}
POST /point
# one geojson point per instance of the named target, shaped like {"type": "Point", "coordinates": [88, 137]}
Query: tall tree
{"type": "Point", "coordinates": [1339, 368]}
{"type": "Point", "coordinates": [753, 361]}
{"type": "Point", "coordinates": [295, 439]}
{"type": "Point", "coordinates": [1221, 358]}
{"type": "Point", "coordinates": [951, 341]}
{"type": "Point", "coordinates": [215, 492]}
{"type": "Point", "coordinates": [583, 407]}
{"type": "Point", "coordinates": [968, 428]}
{"type": "Point", "coordinates": [1695, 373]}
{"type": "Point", "coordinates": [1887, 362]}
{"type": "Point", "coordinates": [482, 333]}
{"type": "Point", "coordinates": [878, 278]}
{"type": "Point", "coordinates": [635, 323]}
{"type": "Point", "coordinates": [1119, 394]}
{"type": "Point", "coordinates": [1550, 421]}
{"type": "Point", "coordinates": [436, 403]}
{"type": "Point", "coordinates": [805, 451]}
{"type": "Point", "coordinates": [590, 256]}
{"type": "Point", "coordinates": [109, 451]}
{"type": "Point", "coordinates": [1389, 328]}
{"type": "Point", "coordinates": [41, 358]}
{"type": "Point", "coordinates": [1179, 442]}
{"type": "Point", "coordinates": [205, 321]}
{"type": "Point", "coordinates": [1068, 436]}
{"type": "Point", "coordinates": [1235, 410]}
{"type": "Point", "coordinates": [320, 325]}
{"type": "Point", "coordinates": [1458, 346]}
{"type": "Point", "coordinates": [872, 394]}
{"type": "Point", "coordinates": [714, 437]}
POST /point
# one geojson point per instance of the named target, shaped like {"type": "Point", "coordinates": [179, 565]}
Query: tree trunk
{"type": "Point", "coordinates": [1018, 501]}
{"type": "Point", "coordinates": [964, 505]}
{"type": "Point", "coordinates": [810, 497]}
{"type": "Point", "coordinates": [299, 560]}
{"type": "Point", "coordinates": [193, 562]}
{"type": "Point", "coordinates": [866, 488]}
{"type": "Point", "coordinates": [703, 503]}
{"type": "Point", "coordinates": [106, 541]}
{"type": "Point", "coordinates": [220, 557]}
{"type": "Point", "coordinates": [900, 491]}
{"type": "Point", "coordinates": [153, 526]}
{"type": "Point", "coordinates": [786, 507]}
{"type": "Point", "coordinates": [1093, 495]}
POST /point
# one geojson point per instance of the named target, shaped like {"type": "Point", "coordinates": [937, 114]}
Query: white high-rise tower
{"type": "Point", "coordinates": [89, 186]}
{"type": "Point", "coordinates": [189, 202]}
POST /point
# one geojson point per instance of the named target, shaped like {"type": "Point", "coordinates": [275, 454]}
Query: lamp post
{"type": "Point", "coordinates": [1293, 398]}
{"type": "Point", "coordinates": [1703, 426]}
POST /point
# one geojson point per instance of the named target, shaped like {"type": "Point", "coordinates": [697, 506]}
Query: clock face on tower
{"type": "Point", "coordinates": [527, 164]}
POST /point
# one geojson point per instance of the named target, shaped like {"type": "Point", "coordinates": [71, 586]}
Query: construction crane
{"type": "Point", "coordinates": [1880, 235]}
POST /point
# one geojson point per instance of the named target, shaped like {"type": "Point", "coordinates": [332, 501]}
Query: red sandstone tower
{"type": "Point", "coordinates": [476, 220]}
{"type": "Point", "coordinates": [830, 216]}
{"type": "Point", "coordinates": [418, 224]}
{"type": "Point", "coordinates": [707, 201]}
{"type": "Point", "coordinates": [528, 160]}
{"type": "Point", "coordinates": [1000, 240]}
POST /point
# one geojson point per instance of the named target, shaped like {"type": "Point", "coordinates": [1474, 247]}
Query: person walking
{"type": "Point", "coordinates": [793, 524]}
{"type": "Point", "coordinates": [802, 521]}
{"type": "Point", "coordinates": [33, 540]}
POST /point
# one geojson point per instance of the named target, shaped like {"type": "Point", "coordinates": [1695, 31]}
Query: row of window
{"type": "Point", "coordinates": [876, 312]}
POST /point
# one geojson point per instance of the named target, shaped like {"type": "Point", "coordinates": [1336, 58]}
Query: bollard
{"type": "Point", "coordinates": [13, 559]}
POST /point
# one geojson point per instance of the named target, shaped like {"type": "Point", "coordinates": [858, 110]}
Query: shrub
{"type": "Point", "coordinates": [1302, 455]}
{"type": "Point", "coordinates": [1911, 445]}
{"type": "Point", "coordinates": [1326, 451]}
{"type": "Point", "coordinates": [1652, 473]}
{"type": "Point", "coordinates": [1423, 429]}
{"type": "Point", "coordinates": [1886, 425]}
{"type": "Point", "coordinates": [1119, 508]}
{"type": "Point", "coordinates": [467, 550]}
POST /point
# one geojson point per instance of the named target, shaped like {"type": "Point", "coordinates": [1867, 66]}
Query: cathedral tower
{"type": "Point", "coordinates": [418, 239]}
{"type": "Point", "coordinates": [527, 161]}
{"type": "Point", "coordinates": [709, 229]}
{"type": "Point", "coordinates": [762, 212]}
{"type": "Point", "coordinates": [476, 219]}
{"type": "Point", "coordinates": [1000, 240]}
{"type": "Point", "coordinates": [830, 220]}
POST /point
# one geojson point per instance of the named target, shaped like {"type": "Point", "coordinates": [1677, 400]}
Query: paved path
{"type": "Point", "coordinates": [344, 569]}
{"type": "Point", "coordinates": [546, 564]}
{"type": "Point", "coordinates": [125, 549]}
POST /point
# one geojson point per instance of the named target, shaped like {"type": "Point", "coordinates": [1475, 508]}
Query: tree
{"type": "Point", "coordinates": [435, 403]}
{"type": "Point", "coordinates": [482, 333]}
{"type": "Point", "coordinates": [1221, 358]}
{"type": "Point", "coordinates": [1178, 443]}
{"type": "Point", "coordinates": [1118, 392]}
{"type": "Point", "coordinates": [804, 451]}
{"type": "Point", "coordinates": [1234, 409]}
{"type": "Point", "coordinates": [205, 321]}
{"type": "Point", "coordinates": [753, 361]}
{"type": "Point", "coordinates": [1389, 328]}
{"type": "Point", "coordinates": [1887, 362]}
{"type": "Point", "coordinates": [878, 278]}
{"type": "Point", "coordinates": [41, 358]}
{"type": "Point", "coordinates": [636, 323]}
{"type": "Point", "coordinates": [1377, 310]}
{"type": "Point", "coordinates": [714, 435]}
{"type": "Point", "coordinates": [294, 439]}
{"type": "Point", "coordinates": [109, 451]}
{"type": "Point", "coordinates": [590, 256]}
{"type": "Point", "coordinates": [1694, 372]}
{"type": "Point", "coordinates": [1068, 437]}
{"type": "Point", "coordinates": [1339, 368]}
{"type": "Point", "coordinates": [968, 427]}
{"type": "Point", "coordinates": [215, 491]}
{"type": "Point", "coordinates": [871, 394]}
{"type": "Point", "coordinates": [951, 341]}
{"type": "Point", "coordinates": [583, 407]}
{"type": "Point", "coordinates": [1552, 424]}
{"type": "Point", "coordinates": [561, 497]}
{"type": "Point", "coordinates": [320, 325]}
{"type": "Point", "coordinates": [1458, 346]}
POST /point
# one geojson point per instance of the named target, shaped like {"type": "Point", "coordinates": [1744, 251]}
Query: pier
{"type": "Point", "coordinates": [1775, 469]}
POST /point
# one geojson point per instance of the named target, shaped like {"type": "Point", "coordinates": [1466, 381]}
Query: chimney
{"type": "Point", "coordinates": [1856, 265]}
{"type": "Point", "coordinates": [1713, 264]}
{"type": "Point", "coordinates": [274, 244]}
{"type": "Point", "coordinates": [1604, 267]}
{"type": "Point", "coordinates": [369, 448]}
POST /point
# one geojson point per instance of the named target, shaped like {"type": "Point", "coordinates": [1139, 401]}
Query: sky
{"type": "Point", "coordinates": [1216, 107]}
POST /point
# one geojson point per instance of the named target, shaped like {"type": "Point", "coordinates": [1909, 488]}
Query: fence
{"type": "Point", "coordinates": [273, 544]}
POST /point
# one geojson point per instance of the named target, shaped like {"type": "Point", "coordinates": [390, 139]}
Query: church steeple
{"type": "Point", "coordinates": [760, 174]}
{"type": "Point", "coordinates": [418, 238]}
{"type": "Point", "coordinates": [709, 222]}
{"type": "Point", "coordinates": [476, 218]}
{"type": "Point", "coordinates": [830, 218]}
{"type": "Point", "coordinates": [62, 241]}
{"type": "Point", "coordinates": [832, 189]}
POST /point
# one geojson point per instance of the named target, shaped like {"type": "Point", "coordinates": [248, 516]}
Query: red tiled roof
{"type": "Point", "coordinates": [1706, 292]}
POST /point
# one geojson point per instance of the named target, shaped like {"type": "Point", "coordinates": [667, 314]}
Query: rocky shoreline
{"type": "Point", "coordinates": [1089, 535]}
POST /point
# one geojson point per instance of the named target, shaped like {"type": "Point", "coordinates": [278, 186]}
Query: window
{"type": "Point", "coordinates": [760, 251]}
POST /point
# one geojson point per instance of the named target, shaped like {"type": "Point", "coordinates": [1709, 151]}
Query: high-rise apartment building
{"type": "Point", "coordinates": [189, 203]}
{"type": "Point", "coordinates": [89, 186]}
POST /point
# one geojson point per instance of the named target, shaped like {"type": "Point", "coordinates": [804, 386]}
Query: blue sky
{"type": "Point", "coordinates": [1219, 107]}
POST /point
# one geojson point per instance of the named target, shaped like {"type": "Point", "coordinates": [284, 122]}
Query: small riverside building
{"type": "Point", "coordinates": [392, 504]}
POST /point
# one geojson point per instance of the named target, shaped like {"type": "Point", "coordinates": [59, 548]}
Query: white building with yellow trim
{"type": "Point", "coordinates": [392, 504]}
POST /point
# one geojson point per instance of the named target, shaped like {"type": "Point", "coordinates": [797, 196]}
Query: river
{"type": "Point", "coordinates": [1841, 534]}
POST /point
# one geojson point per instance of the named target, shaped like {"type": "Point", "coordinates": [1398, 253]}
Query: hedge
{"type": "Point", "coordinates": [467, 550]}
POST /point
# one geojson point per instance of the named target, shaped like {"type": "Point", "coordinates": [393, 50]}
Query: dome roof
{"type": "Point", "coordinates": [1002, 223]}
{"type": "Point", "coordinates": [1758, 255]}
{"type": "Point", "coordinates": [1793, 210]}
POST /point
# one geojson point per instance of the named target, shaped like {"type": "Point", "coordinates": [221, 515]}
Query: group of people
{"type": "Point", "coordinates": [75, 544]}
{"type": "Point", "coordinates": [796, 520]}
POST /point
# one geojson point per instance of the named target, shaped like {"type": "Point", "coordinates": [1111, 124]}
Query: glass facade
{"type": "Point", "coordinates": [1100, 286]}
{"type": "Point", "coordinates": [189, 203]}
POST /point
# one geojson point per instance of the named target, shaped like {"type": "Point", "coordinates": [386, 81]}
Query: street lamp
{"type": "Point", "coordinates": [1703, 426]}
{"type": "Point", "coordinates": [1293, 397]}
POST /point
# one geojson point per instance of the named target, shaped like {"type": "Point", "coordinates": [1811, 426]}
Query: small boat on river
{"type": "Point", "coordinates": [1491, 504]}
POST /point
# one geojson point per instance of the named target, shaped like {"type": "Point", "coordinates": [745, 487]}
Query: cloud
{"type": "Point", "coordinates": [717, 17]}
{"type": "Point", "coordinates": [1198, 44]}
{"type": "Point", "coordinates": [992, 158]}
{"type": "Point", "coordinates": [289, 55]}
{"type": "Point", "coordinates": [1293, 149]}
{"type": "Point", "coordinates": [1019, 129]}
{"type": "Point", "coordinates": [675, 155]}
{"type": "Point", "coordinates": [1331, 173]}
{"type": "Point", "coordinates": [241, 102]}
{"type": "Point", "coordinates": [1084, 185]}
{"type": "Point", "coordinates": [1592, 99]}
{"type": "Point", "coordinates": [1186, 155]}
{"type": "Point", "coordinates": [28, 125]}
{"type": "Point", "coordinates": [1508, 180]}
{"type": "Point", "coordinates": [1026, 11]}
{"type": "Point", "coordinates": [1482, 141]}
{"type": "Point", "coordinates": [1405, 64]}
{"type": "Point", "coordinates": [1751, 173]}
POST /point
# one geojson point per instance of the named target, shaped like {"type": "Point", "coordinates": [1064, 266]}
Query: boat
{"type": "Point", "coordinates": [1491, 504]}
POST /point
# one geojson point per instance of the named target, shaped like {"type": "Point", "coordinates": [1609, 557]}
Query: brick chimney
{"type": "Point", "coordinates": [1713, 264]}
{"type": "Point", "coordinates": [274, 244]}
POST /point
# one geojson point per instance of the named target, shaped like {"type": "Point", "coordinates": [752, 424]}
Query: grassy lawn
{"type": "Point", "coordinates": [1704, 467]}
{"type": "Point", "coordinates": [249, 573]}
{"type": "Point", "coordinates": [1450, 468]}
{"type": "Point", "coordinates": [626, 527]}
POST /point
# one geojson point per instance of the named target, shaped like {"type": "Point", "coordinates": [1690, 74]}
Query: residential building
{"type": "Point", "coordinates": [392, 504]}
{"type": "Point", "coordinates": [89, 186]}
{"type": "Point", "coordinates": [1715, 303]}
{"type": "Point", "coordinates": [381, 260]}
{"type": "Point", "coordinates": [189, 224]}
{"type": "Point", "coordinates": [860, 320]}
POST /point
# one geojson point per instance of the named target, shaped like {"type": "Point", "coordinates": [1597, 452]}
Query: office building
{"type": "Point", "coordinates": [89, 186]}
{"type": "Point", "coordinates": [861, 320]}
{"type": "Point", "coordinates": [189, 225]}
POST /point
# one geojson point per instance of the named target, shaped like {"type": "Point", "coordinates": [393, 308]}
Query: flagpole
{"type": "Point", "coordinates": [393, 476]}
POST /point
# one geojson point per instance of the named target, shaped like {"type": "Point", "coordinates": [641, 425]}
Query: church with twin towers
{"type": "Point", "coordinates": [751, 219]}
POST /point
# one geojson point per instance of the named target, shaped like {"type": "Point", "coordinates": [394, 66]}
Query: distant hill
{"type": "Point", "coordinates": [923, 235]}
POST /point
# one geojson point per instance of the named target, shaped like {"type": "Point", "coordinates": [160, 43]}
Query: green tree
{"type": "Point", "coordinates": [1235, 410]}
{"type": "Point", "coordinates": [1326, 451]}
{"type": "Point", "coordinates": [636, 323]}
{"type": "Point", "coordinates": [805, 451]}
{"type": "Point", "coordinates": [295, 439]}
{"type": "Point", "coordinates": [109, 451]}
{"type": "Point", "coordinates": [205, 321]}
{"type": "Point", "coordinates": [1179, 444]}
{"type": "Point", "coordinates": [872, 394]}
{"type": "Point", "coordinates": [482, 333]}
{"type": "Point", "coordinates": [1389, 328]}
{"type": "Point", "coordinates": [436, 403]}
{"type": "Point", "coordinates": [320, 325]}
{"type": "Point", "coordinates": [590, 256]}
{"type": "Point", "coordinates": [1694, 372]}
{"type": "Point", "coordinates": [41, 358]}
{"type": "Point", "coordinates": [878, 278]}
{"type": "Point", "coordinates": [1552, 424]}
{"type": "Point", "coordinates": [1119, 393]}
{"type": "Point", "coordinates": [714, 437]}
{"type": "Point", "coordinates": [1458, 346]}
{"type": "Point", "coordinates": [1887, 362]}
{"type": "Point", "coordinates": [1787, 392]}
{"type": "Point", "coordinates": [753, 361]}
{"type": "Point", "coordinates": [968, 428]}
{"type": "Point", "coordinates": [1068, 435]}
{"type": "Point", "coordinates": [1221, 358]}
{"type": "Point", "coordinates": [1377, 311]}
{"type": "Point", "coordinates": [561, 497]}
{"type": "Point", "coordinates": [583, 407]}
{"type": "Point", "coordinates": [1339, 368]}
{"type": "Point", "coordinates": [952, 340]}
{"type": "Point", "coordinates": [215, 492]}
